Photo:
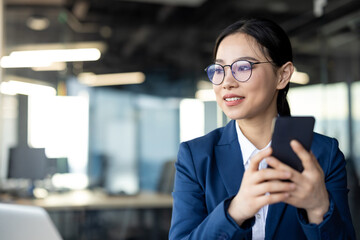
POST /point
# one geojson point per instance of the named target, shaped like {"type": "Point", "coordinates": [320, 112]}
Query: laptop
{"type": "Point", "coordinates": [19, 222]}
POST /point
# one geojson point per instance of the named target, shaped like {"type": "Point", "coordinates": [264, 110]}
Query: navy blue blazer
{"type": "Point", "coordinates": [209, 171]}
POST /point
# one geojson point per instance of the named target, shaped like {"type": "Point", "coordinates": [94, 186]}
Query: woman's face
{"type": "Point", "coordinates": [255, 97]}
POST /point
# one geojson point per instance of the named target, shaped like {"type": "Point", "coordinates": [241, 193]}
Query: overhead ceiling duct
{"type": "Point", "coordinates": [36, 2]}
{"type": "Point", "coordinates": [188, 3]}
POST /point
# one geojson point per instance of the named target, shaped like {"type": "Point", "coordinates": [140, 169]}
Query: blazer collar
{"type": "Point", "coordinates": [229, 134]}
{"type": "Point", "coordinates": [231, 167]}
{"type": "Point", "coordinates": [229, 159]}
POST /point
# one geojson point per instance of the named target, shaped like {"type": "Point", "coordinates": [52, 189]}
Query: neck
{"type": "Point", "coordinates": [258, 130]}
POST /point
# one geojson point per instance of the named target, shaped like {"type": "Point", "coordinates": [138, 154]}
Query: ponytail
{"type": "Point", "coordinates": [282, 103]}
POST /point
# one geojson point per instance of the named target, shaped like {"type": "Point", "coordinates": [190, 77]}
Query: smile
{"type": "Point", "coordinates": [233, 99]}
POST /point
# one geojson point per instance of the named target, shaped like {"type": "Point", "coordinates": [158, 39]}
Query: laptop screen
{"type": "Point", "coordinates": [26, 222]}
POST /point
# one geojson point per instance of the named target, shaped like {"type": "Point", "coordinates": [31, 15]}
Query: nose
{"type": "Point", "coordinates": [229, 80]}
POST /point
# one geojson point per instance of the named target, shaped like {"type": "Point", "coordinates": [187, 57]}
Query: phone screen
{"type": "Point", "coordinates": [287, 129]}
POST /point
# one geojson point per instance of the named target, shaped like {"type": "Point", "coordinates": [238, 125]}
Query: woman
{"type": "Point", "coordinates": [223, 187]}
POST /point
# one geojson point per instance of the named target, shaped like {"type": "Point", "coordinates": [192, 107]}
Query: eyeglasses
{"type": "Point", "coordinates": [241, 70]}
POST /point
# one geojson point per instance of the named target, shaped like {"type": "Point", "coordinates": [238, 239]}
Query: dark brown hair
{"type": "Point", "coordinates": [274, 43]}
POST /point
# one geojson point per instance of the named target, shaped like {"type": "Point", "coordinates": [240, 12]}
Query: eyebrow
{"type": "Point", "coordinates": [237, 59]}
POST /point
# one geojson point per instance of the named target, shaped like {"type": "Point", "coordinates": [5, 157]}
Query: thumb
{"type": "Point", "coordinates": [302, 153]}
{"type": "Point", "coordinates": [255, 160]}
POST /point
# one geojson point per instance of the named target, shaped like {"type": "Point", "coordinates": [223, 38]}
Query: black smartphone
{"type": "Point", "coordinates": [286, 129]}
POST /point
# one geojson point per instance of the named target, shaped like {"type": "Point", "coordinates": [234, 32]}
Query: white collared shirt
{"type": "Point", "coordinates": [248, 150]}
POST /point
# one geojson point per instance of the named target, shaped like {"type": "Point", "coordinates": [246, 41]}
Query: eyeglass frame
{"type": "Point", "coordinates": [223, 67]}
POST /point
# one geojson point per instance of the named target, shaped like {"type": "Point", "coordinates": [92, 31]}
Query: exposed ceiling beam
{"type": "Point", "coordinates": [37, 2]}
{"type": "Point", "coordinates": [188, 3]}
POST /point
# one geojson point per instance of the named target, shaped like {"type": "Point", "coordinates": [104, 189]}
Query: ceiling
{"type": "Point", "coordinates": [171, 41]}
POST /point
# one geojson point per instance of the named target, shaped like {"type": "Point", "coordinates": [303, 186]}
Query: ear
{"type": "Point", "coordinates": [284, 74]}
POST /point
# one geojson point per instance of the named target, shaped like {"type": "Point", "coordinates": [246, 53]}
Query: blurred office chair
{"type": "Point", "coordinates": [354, 194]}
{"type": "Point", "coordinates": [166, 179]}
{"type": "Point", "coordinates": [162, 217]}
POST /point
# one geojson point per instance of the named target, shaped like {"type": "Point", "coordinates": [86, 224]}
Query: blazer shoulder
{"type": "Point", "coordinates": [210, 139]}
{"type": "Point", "coordinates": [322, 141]}
{"type": "Point", "coordinates": [326, 150]}
{"type": "Point", "coordinates": [196, 156]}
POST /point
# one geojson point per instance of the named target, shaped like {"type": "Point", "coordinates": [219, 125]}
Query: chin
{"type": "Point", "coordinates": [237, 114]}
{"type": "Point", "coordinates": [233, 115]}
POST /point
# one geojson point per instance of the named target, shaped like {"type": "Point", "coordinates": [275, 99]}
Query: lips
{"type": "Point", "coordinates": [232, 100]}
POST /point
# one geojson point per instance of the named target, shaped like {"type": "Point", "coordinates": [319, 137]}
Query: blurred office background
{"type": "Point", "coordinates": [104, 110]}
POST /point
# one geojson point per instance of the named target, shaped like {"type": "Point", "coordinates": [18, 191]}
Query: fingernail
{"type": "Point", "coordinates": [294, 142]}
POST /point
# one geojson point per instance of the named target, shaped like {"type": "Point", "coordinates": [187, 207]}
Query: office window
{"type": "Point", "coordinates": [158, 131]}
{"type": "Point", "coordinates": [329, 105]}
{"type": "Point", "coordinates": [131, 137]}
{"type": "Point", "coordinates": [57, 124]}
{"type": "Point", "coordinates": [113, 141]}
{"type": "Point", "coordinates": [8, 115]}
{"type": "Point", "coordinates": [355, 93]}
{"type": "Point", "coordinates": [60, 125]}
{"type": "Point", "coordinates": [191, 119]}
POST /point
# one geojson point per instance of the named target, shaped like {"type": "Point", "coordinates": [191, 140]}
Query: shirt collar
{"type": "Point", "coordinates": [247, 148]}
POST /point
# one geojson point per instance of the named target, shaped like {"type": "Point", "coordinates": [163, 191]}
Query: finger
{"type": "Point", "coordinates": [273, 187]}
{"type": "Point", "coordinates": [276, 164]}
{"type": "Point", "coordinates": [314, 160]}
{"type": "Point", "coordinates": [304, 155]}
{"type": "Point", "coordinates": [269, 174]}
{"type": "Point", "coordinates": [255, 161]}
{"type": "Point", "coordinates": [272, 198]}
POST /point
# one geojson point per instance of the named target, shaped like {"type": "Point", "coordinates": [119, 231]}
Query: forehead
{"type": "Point", "coordinates": [239, 45]}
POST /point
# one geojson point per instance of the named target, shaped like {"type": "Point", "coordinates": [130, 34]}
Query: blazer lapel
{"type": "Point", "coordinates": [230, 164]}
{"type": "Point", "coordinates": [274, 215]}
{"type": "Point", "coordinates": [229, 159]}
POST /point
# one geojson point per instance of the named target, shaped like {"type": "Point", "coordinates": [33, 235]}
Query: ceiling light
{"type": "Point", "coordinates": [11, 62]}
{"type": "Point", "coordinates": [18, 87]}
{"type": "Point", "coordinates": [55, 66]}
{"type": "Point", "coordinates": [60, 55]}
{"type": "Point", "coordinates": [55, 46]}
{"type": "Point", "coordinates": [45, 58]}
{"type": "Point", "coordinates": [300, 78]}
{"type": "Point", "coordinates": [92, 79]}
{"type": "Point", "coordinates": [38, 23]}
{"type": "Point", "coordinates": [205, 95]}
{"type": "Point", "coordinates": [205, 91]}
{"type": "Point", "coordinates": [204, 84]}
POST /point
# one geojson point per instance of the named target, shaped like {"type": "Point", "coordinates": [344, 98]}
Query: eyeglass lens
{"type": "Point", "coordinates": [241, 70]}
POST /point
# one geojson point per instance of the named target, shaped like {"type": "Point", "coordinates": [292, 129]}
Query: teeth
{"type": "Point", "coordinates": [233, 99]}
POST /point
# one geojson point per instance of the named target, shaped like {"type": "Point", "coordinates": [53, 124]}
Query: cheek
{"type": "Point", "coordinates": [266, 79]}
{"type": "Point", "coordinates": [263, 86]}
{"type": "Point", "coordinates": [216, 90]}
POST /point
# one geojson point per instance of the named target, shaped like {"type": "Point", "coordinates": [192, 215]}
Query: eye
{"type": "Point", "coordinates": [218, 70]}
{"type": "Point", "coordinates": [243, 67]}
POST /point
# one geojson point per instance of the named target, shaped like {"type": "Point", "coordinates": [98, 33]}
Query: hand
{"type": "Point", "coordinates": [310, 192]}
{"type": "Point", "coordinates": [254, 186]}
